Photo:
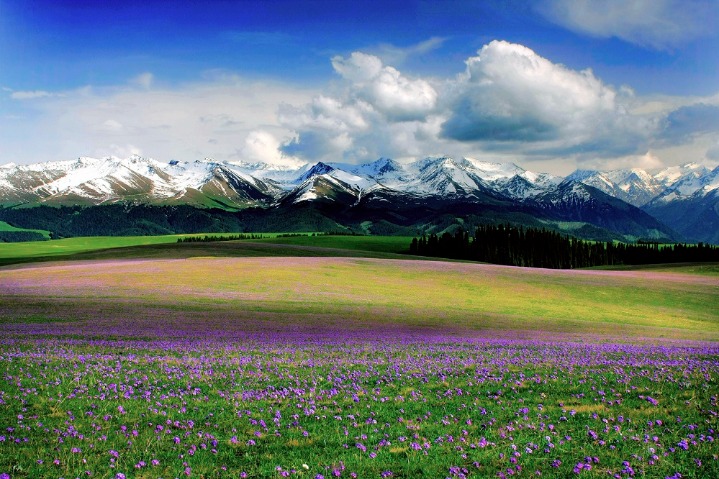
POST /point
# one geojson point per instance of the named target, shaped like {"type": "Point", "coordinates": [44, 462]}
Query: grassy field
{"type": "Point", "coordinates": [167, 246]}
{"type": "Point", "coordinates": [28, 251]}
{"type": "Point", "coordinates": [377, 244]}
{"type": "Point", "coordinates": [424, 407]}
{"type": "Point", "coordinates": [365, 293]}
{"type": "Point", "coordinates": [705, 269]}
{"type": "Point", "coordinates": [322, 357]}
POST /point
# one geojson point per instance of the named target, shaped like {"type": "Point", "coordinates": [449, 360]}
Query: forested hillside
{"type": "Point", "coordinates": [517, 246]}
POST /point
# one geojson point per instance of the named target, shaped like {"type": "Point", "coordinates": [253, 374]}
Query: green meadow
{"type": "Point", "coordinates": [272, 244]}
{"type": "Point", "coordinates": [370, 292]}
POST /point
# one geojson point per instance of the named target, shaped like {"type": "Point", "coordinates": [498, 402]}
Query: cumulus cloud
{"type": "Point", "coordinates": [377, 111]}
{"type": "Point", "coordinates": [326, 128]}
{"type": "Point", "coordinates": [510, 93]}
{"type": "Point", "coordinates": [657, 24]}
{"type": "Point", "coordinates": [122, 151]}
{"type": "Point", "coordinates": [261, 146]}
{"type": "Point", "coordinates": [359, 67]}
{"type": "Point", "coordinates": [510, 104]}
{"type": "Point", "coordinates": [385, 88]}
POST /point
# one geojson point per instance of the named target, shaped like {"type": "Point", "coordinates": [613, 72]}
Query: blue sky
{"type": "Point", "coordinates": [552, 85]}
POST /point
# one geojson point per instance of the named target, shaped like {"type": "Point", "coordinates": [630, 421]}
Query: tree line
{"type": "Point", "coordinates": [123, 219]}
{"type": "Point", "coordinates": [251, 236]}
{"type": "Point", "coordinates": [540, 248]}
{"type": "Point", "coordinates": [210, 239]}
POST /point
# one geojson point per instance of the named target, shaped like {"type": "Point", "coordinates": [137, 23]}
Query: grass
{"type": "Point", "coordinates": [31, 250]}
{"type": "Point", "coordinates": [370, 293]}
{"type": "Point", "coordinates": [339, 407]}
{"type": "Point", "coordinates": [378, 244]}
{"type": "Point", "coordinates": [704, 269]}
{"type": "Point", "coordinates": [167, 246]}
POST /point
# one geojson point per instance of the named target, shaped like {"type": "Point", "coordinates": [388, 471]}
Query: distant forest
{"type": "Point", "coordinates": [142, 220]}
{"type": "Point", "coordinates": [539, 248]}
{"type": "Point", "coordinates": [16, 236]}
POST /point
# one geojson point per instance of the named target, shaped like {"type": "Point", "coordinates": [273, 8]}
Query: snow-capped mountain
{"type": "Point", "coordinates": [208, 182]}
{"type": "Point", "coordinates": [635, 186]}
{"type": "Point", "coordinates": [429, 177]}
{"type": "Point", "coordinates": [92, 181]}
{"type": "Point", "coordinates": [673, 174]}
{"type": "Point", "coordinates": [638, 187]}
{"type": "Point", "coordinates": [690, 204]}
{"type": "Point", "coordinates": [684, 197]}
{"type": "Point", "coordinates": [403, 194]}
{"type": "Point", "coordinates": [695, 181]}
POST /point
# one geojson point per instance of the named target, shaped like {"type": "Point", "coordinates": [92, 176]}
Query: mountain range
{"type": "Point", "coordinates": [387, 197]}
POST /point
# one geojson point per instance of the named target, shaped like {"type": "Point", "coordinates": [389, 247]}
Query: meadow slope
{"type": "Point", "coordinates": [235, 295]}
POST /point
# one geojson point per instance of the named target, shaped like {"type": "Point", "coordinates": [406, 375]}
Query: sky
{"type": "Point", "coordinates": [551, 85]}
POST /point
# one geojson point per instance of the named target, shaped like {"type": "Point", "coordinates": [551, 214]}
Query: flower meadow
{"type": "Point", "coordinates": [362, 405]}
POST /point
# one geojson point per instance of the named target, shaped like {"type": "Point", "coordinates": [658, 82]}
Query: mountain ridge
{"type": "Point", "coordinates": [631, 203]}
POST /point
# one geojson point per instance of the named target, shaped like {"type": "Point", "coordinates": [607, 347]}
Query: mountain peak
{"type": "Point", "coordinates": [317, 169]}
{"type": "Point", "coordinates": [384, 165]}
{"type": "Point", "coordinates": [579, 174]}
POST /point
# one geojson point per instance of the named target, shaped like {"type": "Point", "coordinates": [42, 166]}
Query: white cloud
{"type": "Point", "coordinates": [261, 146]}
{"type": "Point", "coordinates": [377, 111]}
{"type": "Point", "coordinates": [359, 67]}
{"type": "Point", "coordinates": [385, 88]}
{"type": "Point", "coordinates": [215, 117]}
{"type": "Point", "coordinates": [121, 151]}
{"type": "Point", "coordinates": [395, 55]}
{"type": "Point", "coordinates": [658, 24]}
{"type": "Point", "coordinates": [510, 104]}
{"type": "Point", "coordinates": [29, 95]}
{"type": "Point", "coordinates": [325, 128]}
{"type": "Point", "coordinates": [648, 161]}
{"type": "Point", "coordinates": [401, 98]}
{"type": "Point", "coordinates": [509, 93]}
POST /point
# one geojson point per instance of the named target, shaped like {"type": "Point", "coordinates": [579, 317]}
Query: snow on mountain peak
{"type": "Point", "coordinates": [139, 178]}
{"type": "Point", "coordinates": [380, 167]}
{"type": "Point", "coordinates": [581, 175]}
{"type": "Point", "coordinates": [319, 168]}
{"type": "Point", "coordinates": [672, 174]}
{"type": "Point", "coordinates": [493, 171]}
